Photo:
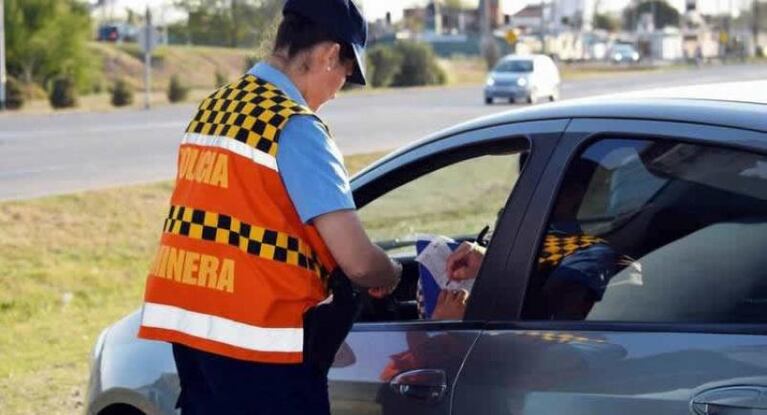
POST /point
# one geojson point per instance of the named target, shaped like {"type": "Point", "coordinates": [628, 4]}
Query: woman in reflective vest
{"type": "Point", "coordinates": [260, 216]}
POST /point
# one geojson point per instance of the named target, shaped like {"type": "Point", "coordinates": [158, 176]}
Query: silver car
{"type": "Point", "coordinates": [527, 78]}
{"type": "Point", "coordinates": [677, 187]}
{"type": "Point", "coordinates": [623, 53]}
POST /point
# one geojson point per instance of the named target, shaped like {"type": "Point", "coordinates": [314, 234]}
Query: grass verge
{"type": "Point", "coordinates": [70, 266]}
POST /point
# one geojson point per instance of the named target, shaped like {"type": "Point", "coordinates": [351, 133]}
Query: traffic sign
{"type": "Point", "coordinates": [150, 42]}
{"type": "Point", "coordinates": [511, 36]}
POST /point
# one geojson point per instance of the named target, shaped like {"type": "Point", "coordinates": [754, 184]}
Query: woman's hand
{"type": "Point", "coordinates": [381, 292]}
{"type": "Point", "coordinates": [451, 305]}
{"type": "Point", "coordinates": [464, 262]}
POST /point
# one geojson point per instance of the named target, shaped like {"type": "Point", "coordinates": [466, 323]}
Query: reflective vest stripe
{"type": "Point", "coordinates": [224, 229]}
{"type": "Point", "coordinates": [236, 147]}
{"type": "Point", "coordinates": [222, 330]}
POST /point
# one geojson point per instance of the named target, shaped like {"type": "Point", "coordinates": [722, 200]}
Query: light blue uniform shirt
{"type": "Point", "coordinates": [310, 164]}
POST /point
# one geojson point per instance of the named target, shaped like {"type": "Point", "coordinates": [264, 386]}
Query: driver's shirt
{"type": "Point", "coordinates": [309, 163]}
{"type": "Point", "coordinates": [591, 266]}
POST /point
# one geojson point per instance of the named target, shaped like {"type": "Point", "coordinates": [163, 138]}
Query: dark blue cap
{"type": "Point", "coordinates": [343, 19]}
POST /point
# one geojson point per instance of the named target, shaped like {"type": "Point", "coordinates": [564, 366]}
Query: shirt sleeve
{"type": "Point", "coordinates": [312, 169]}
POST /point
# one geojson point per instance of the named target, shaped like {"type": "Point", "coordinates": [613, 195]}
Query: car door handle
{"type": "Point", "coordinates": [731, 400]}
{"type": "Point", "coordinates": [428, 385]}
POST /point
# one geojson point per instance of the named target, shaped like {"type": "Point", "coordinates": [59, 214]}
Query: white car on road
{"type": "Point", "coordinates": [523, 77]}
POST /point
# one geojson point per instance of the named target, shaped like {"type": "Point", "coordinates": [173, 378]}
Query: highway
{"type": "Point", "coordinates": [73, 151]}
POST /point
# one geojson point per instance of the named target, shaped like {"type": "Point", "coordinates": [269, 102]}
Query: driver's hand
{"type": "Point", "coordinates": [464, 262]}
{"type": "Point", "coordinates": [451, 305]}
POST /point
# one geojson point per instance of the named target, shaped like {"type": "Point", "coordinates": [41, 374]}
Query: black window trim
{"type": "Point", "coordinates": [579, 135]}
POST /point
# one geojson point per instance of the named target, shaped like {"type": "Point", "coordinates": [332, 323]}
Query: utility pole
{"type": "Point", "coordinates": [3, 79]}
{"type": "Point", "coordinates": [437, 17]}
{"type": "Point", "coordinates": [488, 45]}
{"type": "Point", "coordinates": [543, 27]}
{"type": "Point", "coordinates": [147, 57]}
{"type": "Point", "coordinates": [755, 24]}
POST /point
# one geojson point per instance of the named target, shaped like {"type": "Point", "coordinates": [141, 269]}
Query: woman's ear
{"type": "Point", "coordinates": [330, 56]}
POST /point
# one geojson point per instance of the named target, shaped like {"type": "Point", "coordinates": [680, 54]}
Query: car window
{"type": "Point", "coordinates": [456, 201]}
{"type": "Point", "coordinates": [655, 231]}
{"type": "Point", "coordinates": [515, 66]}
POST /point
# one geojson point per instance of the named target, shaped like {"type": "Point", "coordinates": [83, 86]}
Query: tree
{"type": "Point", "coordinates": [664, 14]}
{"type": "Point", "coordinates": [233, 23]}
{"type": "Point", "coordinates": [455, 4]}
{"type": "Point", "coordinates": [47, 39]}
{"type": "Point", "coordinates": [608, 22]}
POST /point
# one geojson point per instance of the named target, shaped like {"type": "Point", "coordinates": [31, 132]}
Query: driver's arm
{"type": "Point", "coordinates": [362, 261]}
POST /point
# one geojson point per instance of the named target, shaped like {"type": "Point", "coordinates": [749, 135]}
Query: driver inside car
{"type": "Point", "coordinates": [573, 269]}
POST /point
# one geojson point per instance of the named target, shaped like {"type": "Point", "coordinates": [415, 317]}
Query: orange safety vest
{"type": "Point", "coordinates": [236, 268]}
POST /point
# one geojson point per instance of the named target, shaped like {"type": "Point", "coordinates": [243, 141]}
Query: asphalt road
{"type": "Point", "coordinates": [68, 152]}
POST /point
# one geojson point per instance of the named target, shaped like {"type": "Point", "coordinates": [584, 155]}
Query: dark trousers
{"type": "Point", "coordinates": [212, 384]}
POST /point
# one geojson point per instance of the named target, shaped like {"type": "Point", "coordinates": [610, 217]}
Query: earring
{"type": "Point", "coordinates": [329, 69]}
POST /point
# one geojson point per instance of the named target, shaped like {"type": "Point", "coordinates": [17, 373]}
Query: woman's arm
{"type": "Point", "coordinates": [362, 261]}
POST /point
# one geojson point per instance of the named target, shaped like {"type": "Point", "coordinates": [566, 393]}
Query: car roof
{"type": "Point", "coordinates": [738, 114]}
{"type": "Point", "coordinates": [520, 58]}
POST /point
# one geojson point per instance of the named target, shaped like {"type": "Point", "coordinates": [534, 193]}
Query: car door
{"type": "Point", "coordinates": [663, 310]}
{"type": "Point", "coordinates": [392, 362]}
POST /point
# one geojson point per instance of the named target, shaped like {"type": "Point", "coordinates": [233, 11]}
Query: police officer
{"type": "Point", "coordinates": [260, 217]}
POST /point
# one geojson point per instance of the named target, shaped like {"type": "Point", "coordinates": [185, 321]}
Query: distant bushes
{"type": "Point", "coordinates": [383, 64]}
{"type": "Point", "coordinates": [63, 92]}
{"type": "Point", "coordinates": [122, 94]}
{"type": "Point", "coordinates": [177, 90]}
{"type": "Point", "coordinates": [404, 64]}
{"type": "Point", "coordinates": [14, 94]}
{"type": "Point", "coordinates": [221, 79]}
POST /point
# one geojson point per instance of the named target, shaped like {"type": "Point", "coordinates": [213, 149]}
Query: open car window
{"type": "Point", "coordinates": [458, 201]}
{"type": "Point", "coordinates": [455, 194]}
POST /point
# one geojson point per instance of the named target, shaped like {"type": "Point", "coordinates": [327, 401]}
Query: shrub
{"type": "Point", "coordinates": [63, 93]}
{"type": "Point", "coordinates": [122, 94]}
{"type": "Point", "coordinates": [383, 64]}
{"type": "Point", "coordinates": [221, 79]}
{"type": "Point", "coordinates": [14, 94]}
{"type": "Point", "coordinates": [177, 91]}
{"type": "Point", "coordinates": [250, 62]}
{"type": "Point", "coordinates": [419, 66]}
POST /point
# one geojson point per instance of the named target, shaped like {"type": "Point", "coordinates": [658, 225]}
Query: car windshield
{"type": "Point", "coordinates": [624, 48]}
{"type": "Point", "coordinates": [515, 66]}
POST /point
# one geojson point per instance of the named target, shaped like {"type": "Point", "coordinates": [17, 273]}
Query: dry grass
{"type": "Point", "coordinates": [70, 266]}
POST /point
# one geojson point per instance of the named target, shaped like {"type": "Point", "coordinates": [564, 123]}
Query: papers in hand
{"type": "Point", "coordinates": [433, 252]}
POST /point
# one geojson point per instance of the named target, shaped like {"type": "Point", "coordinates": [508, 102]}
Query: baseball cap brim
{"type": "Point", "coordinates": [358, 76]}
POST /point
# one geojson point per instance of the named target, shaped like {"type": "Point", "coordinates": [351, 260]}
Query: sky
{"type": "Point", "coordinates": [375, 9]}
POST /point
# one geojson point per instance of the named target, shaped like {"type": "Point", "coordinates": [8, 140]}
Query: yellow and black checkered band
{"type": "Point", "coordinates": [557, 247]}
{"type": "Point", "coordinates": [249, 110]}
{"type": "Point", "coordinates": [254, 240]}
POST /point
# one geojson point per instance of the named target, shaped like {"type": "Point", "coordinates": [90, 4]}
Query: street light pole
{"type": "Point", "coordinates": [543, 27]}
{"type": "Point", "coordinates": [3, 79]}
{"type": "Point", "coordinates": [147, 58]}
{"type": "Point", "coordinates": [755, 24]}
